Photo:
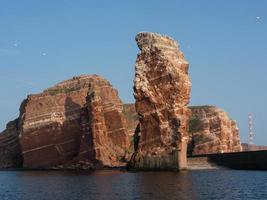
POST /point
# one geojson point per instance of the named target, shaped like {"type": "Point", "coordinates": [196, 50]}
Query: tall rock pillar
{"type": "Point", "coordinates": [162, 92]}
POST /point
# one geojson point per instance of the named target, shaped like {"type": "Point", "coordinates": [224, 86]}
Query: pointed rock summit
{"type": "Point", "coordinates": [162, 92]}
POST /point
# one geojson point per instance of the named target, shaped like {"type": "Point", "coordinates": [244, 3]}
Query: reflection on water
{"type": "Point", "coordinates": [102, 185]}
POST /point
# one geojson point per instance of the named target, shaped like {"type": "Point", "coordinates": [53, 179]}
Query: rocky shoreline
{"type": "Point", "coordinates": [81, 123]}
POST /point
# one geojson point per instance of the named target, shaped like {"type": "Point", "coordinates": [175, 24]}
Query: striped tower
{"type": "Point", "coordinates": [250, 129]}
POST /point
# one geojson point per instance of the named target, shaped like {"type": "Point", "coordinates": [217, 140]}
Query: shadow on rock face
{"type": "Point", "coordinates": [10, 148]}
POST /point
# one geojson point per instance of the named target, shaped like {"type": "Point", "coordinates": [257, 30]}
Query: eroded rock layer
{"type": "Point", "coordinates": [77, 123]}
{"type": "Point", "coordinates": [162, 92]}
{"type": "Point", "coordinates": [212, 131]}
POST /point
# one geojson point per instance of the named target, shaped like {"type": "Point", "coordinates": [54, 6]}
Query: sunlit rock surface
{"type": "Point", "coordinates": [212, 131]}
{"type": "Point", "coordinates": [162, 91]}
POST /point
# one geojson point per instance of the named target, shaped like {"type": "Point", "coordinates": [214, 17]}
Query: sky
{"type": "Point", "coordinates": [43, 42]}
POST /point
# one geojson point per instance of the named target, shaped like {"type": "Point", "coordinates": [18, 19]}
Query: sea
{"type": "Point", "coordinates": [122, 185]}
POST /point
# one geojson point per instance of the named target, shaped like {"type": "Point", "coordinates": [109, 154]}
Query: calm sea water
{"type": "Point", "coordinates": [112, 185]}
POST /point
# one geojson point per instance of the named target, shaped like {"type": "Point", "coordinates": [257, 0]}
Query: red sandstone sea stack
{"type": "Point", "coordinates": [162, 91]}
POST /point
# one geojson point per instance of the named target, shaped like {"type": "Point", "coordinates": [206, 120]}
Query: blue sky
{"type": "Point", "coordinates": [225, 41]}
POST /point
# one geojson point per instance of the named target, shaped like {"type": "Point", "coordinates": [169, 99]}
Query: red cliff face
{"type": "Point", "coordinates": [212, 131]}
{"type": "Point", "coordinates": [77, 123]}
{"type": "Point", "coordinates": [162, 92]}
{"type": "Point", "coordinates": [107, 127]}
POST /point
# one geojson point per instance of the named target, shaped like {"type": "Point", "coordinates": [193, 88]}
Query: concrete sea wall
{"type": "Point", "coordinates": [250, 160]}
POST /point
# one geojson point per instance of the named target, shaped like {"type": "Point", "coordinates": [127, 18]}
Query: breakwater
{"type": "Point", "coordinates": [249, 160]}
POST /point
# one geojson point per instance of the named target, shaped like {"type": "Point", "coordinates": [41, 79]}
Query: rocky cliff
{"type": "Point", "coordinates": [212, 131]}
{"type": "Point", "coordinates": [81, 122]}
{"type": "Point", "coordinates": [76, 124]}
{"type": "Point", "coordinates": [162, 92]}
{"type": "Point", "coordinates": [10, 150]}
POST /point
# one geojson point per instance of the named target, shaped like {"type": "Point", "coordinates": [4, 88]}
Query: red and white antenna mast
{"type": "Point", "coordinates": [250, 129]}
